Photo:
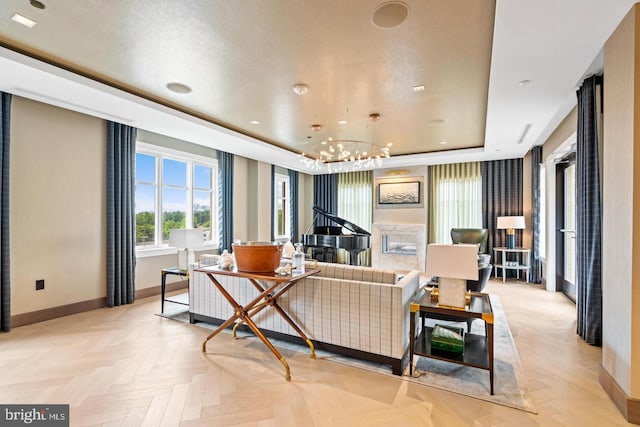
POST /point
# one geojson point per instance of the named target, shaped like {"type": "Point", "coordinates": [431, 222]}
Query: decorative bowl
{"type": "Point", "coordinates": [257, 257]}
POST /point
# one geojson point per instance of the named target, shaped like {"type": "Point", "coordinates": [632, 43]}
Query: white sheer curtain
{"type": "Point", "coordinates": [355, 204]}
{"type": "Point", "coordinates": [455, 199]}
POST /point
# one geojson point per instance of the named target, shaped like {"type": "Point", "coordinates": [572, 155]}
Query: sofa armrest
{"type": "Point", "coordinates": [410, 284]}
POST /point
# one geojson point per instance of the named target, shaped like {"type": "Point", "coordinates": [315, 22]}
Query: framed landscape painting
{"type": "Point", "coordinates": [399, 193]}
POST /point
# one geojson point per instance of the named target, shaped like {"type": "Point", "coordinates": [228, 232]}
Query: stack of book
{"type": "Point", "coordinates": [447, 338]}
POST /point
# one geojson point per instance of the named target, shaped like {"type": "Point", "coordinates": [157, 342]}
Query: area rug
{"type": "Point", "coordinates": [510, 388]}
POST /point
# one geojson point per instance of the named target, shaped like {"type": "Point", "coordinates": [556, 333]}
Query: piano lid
{"type": "Point", "coordinates": [343, 222]}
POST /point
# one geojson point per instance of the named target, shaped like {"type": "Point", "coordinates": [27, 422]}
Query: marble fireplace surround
{"type": "Point", "coordinates": [397, 261]}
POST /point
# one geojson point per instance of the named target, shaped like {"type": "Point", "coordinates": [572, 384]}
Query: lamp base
{"type": "Point", "coordinates": [511, 241]}
{"type": "Point", "coordinates": [451, 292]}
{"type": "Point", "coordinates": [185, 257]}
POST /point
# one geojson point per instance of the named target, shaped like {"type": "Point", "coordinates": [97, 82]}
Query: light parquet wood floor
{"type": "Point", "coordinates": [127, 367]}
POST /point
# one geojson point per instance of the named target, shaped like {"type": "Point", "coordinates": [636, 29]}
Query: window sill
{"type": "Point", "coordinates": [153, 252]}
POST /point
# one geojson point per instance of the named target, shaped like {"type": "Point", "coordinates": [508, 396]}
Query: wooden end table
{"type": "Point", "coordinates": [478, 349]}
{"type": "Point", "coordinates": [270, 286]}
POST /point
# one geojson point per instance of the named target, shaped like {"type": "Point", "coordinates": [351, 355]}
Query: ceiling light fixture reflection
{"type": "Point", "coordinates": [342, 122]}
{"type": "Point", "coordinates": [418, 88]}
{"type": "Point", "coordinates": [336, 155]}
{"type": "Point", "coordinates": [37, 4]}
{"type": "Point", "coordinates": [524, 82]}
{"type": "Point", "coordinates": [254, 122]}
{"type": "Point", "coordinates": [178, 87]}
{"type": "Point", "coordinates": [23, 20]}
{"type": "Point", "coordinates": [300, 89]}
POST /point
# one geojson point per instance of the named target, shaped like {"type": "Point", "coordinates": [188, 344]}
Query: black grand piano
{"type": "Point", "coordinates": [326, 239]}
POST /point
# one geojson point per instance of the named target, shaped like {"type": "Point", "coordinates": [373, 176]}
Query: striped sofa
{"type": "Point", "coordinates": [361, 312]}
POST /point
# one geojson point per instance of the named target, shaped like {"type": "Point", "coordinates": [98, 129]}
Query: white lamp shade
{"type": "Point", "coordinates": [511, 222]}
{"type": "Point", "coordinates": [452, 261]}
{"type": "Point", "coordinates": [186, 238]}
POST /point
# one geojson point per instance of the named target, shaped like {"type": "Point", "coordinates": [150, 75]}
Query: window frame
{"type": "Point", "coordinates": [286, 205]}
{"type": "Point", "coordinates": [161, 153]}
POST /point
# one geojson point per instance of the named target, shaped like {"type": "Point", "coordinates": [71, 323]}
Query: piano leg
{"type": "Point", "coordinates": [354, 258]}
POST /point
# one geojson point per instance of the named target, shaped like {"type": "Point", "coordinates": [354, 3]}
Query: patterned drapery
{"type": "Point", "coordinates": [536, 263]}
{"type": "Point", "coordinates": [293, 204]}
{"type": "Point", "coordinates": [225, 199]}
{"type": "Point", "coordinates": [121, 218]}
{"type": "Point", "coordinates": [5, 264]}
{"type": "Point", "coordinates": [325, 196]}
{"type": "Point", "coordinates": [501, 196]}
{"type": "Point", "coordinates": [589, 217]}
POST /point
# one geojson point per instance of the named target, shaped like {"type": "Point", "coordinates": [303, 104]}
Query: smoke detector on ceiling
{"type": "Point", "coordinates": [300, 89]}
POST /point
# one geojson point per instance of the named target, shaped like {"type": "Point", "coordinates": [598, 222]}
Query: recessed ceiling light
{"type": "Point", "coordinates": [390, 14]}
{"type": "Point", "coordinates": [524, 82]}
{"type": "Point", "coordinates": [178, 87]}
{"type": "Point", "coordinates": [342, 122]}
{"type": "Point", "coordinates": [418, 88]}
{"type": "Point", "coordinates": [300, 89]}
{"type": "Point", "coordinates": [37, 4]}
{"type": "Point", "coordinates": [23, 20]}
{"type": "Point", "coordinates": [443, 142]}
{"type": "Point", "coordinates": [254, 122]}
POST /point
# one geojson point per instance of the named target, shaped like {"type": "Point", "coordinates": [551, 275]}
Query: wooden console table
{"type": "Point", "coordinates": [270, 286]}
{"type": "Point", "coordinates": [478, 349]}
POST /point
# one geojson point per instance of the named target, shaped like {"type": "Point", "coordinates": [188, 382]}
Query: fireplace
{"type": "Point", "coordinates": [399, 246]}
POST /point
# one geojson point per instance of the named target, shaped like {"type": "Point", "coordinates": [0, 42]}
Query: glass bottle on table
{"type": "Point", "coordinates": [298, 259]}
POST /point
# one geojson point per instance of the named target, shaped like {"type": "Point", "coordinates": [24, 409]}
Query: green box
{"type": "Point", "coordinates": [447, 338]}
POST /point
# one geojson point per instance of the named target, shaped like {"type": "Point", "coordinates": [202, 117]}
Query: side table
{"type": "Point", "coordinates": [521, 263]}
{"type": "Point", "coordinates": [478, 349]}
{"type": "Point", "coordinates": [178, 299]}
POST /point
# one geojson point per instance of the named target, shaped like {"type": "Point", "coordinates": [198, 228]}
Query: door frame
{"type": "Point", "coordinates": [568, 289]}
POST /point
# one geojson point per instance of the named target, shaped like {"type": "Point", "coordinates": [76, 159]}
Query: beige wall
{"type": "Point", "coordinates": [621, 198]}
{"type": "Point", "coordinates": [57, 206]}
{"type": "Point", "coordinates": [565, 129]}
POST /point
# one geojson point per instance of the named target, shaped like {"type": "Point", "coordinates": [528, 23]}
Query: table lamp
{"type": "Point", "coordinates": [453, 265]}
{"type": "Point", "coordinates": [185, 239]}
{"type": "Point", "coordinates": [511, 223]}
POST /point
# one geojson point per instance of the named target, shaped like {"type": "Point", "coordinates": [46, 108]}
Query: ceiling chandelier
{"type": "Point", "coordinates": [337, 155]}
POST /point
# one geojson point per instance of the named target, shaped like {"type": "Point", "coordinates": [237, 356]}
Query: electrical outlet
{"type": "Point", "coordinates": [39, 284]}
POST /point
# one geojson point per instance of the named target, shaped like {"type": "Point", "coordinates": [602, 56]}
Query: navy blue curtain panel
{"type": "Point", "coordinates": [536, 264]}
{"type": "Point", "coordinates": [5, 264]}
{"type": "Point", "coordinates": [293, 205]}
{"type": "Point", "coordinates": [121, 218]}
{"type": "Point", "coordinates": [501, 196]}
{"type": "Point", "coordinates": [589, 217]}
{"type": "Point", "coordinates": [325, 196]}
{"type": "Point", "coordinates": [225, 199]}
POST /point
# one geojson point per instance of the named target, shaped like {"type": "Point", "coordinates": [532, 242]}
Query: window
{"type": "Point", "coordinates": [173, 190]}
{"type": "Point", "coordinates": [456, 199]}
{"type": "Point", "coordinates": [281, 214]}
